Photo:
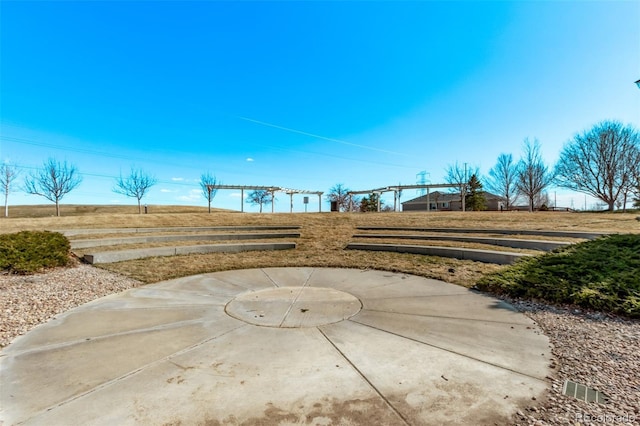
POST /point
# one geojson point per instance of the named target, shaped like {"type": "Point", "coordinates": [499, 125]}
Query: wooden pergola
{"type": "Point", "coordinates": [272, 190]}
{"type": "Point", "coordinates": [397, 189]}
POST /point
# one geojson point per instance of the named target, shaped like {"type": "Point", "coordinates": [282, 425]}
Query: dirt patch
{"type": "Point", "coordinates": [370, 411]}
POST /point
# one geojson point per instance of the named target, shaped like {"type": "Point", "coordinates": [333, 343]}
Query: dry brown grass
{"type": "Point", "coordinates": [48, 210]}
{"type": "Point", "coordinates": [322, 241]}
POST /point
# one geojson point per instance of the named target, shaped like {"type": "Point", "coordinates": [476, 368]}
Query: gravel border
{"type": "Point", "coordinates": [29, 300]}
{"type": "Point", "coordinates": [597, 350]}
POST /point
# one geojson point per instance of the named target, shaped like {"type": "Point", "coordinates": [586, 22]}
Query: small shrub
{"type": "Point", "coordinates": [31, 251]}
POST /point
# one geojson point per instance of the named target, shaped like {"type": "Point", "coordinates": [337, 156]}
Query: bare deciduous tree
{"type": "Point", "coordinates": [53, 181]}
{"type": "Point", "coordinates": [603, 162]}
{"type": "Point", "coordinates": [533, 174]}
{"type": "Point", "coordinates": [502, 179]}
{"type": "Point", "coordinates": [260, 197]}
{"type": "Point", "coordinates": [459, 175]}
{"type": "Point", "coordinates": [340, 194]}
{"type": "Point", "coordinates": [135, 185]}
{"type": "Point", "coordinates": [207, 183]}
{"type": "Point", "coordinates": [8, 175]}
{"type": "Point", "coordinates": [542, 201]}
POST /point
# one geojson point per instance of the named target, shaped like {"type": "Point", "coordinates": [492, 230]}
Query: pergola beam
{"type": "Point", "coordinates": [398, 188]}
{"type": "Point", "coordinates": [272, 190]}
{"type": "Point", "coordinates": [402, 187]}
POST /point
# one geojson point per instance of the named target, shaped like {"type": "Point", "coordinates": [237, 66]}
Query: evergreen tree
{"type": "Point", "coordinates": [370, 203]}
{"type": "Point", "coordinates": [475, 199]}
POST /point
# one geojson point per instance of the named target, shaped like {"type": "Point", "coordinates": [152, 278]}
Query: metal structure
{"type": "Point", "coordinates": [421, 179]}
{"type": "Point", "coordinates": [399, 188]}
{"type": "Point", "coordinates": [272, 190]}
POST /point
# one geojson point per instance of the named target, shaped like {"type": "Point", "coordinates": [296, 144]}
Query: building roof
{"type": "Point", "coordinates": [446, 197]}
{"type": "Point", "coordinates": [442, 197]}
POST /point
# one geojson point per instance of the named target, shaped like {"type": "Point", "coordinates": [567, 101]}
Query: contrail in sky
{"type": "Point", "coordinates": [320, 137]}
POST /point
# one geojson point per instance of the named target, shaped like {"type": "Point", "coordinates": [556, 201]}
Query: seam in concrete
{"type": "Point", "coordinates": [269, 278]}
{"type": "Point", "coordinates": [475, 320]}
{"type": "Point", "coordinates": [376, 390]}
{"type": "Point", "coordinates": [295, 299]}
{"type": "Point", "coordinates": [416, 296]}
{"type": "Point", "coordinates": [288, 311]}
{"type": "Point", "coordinates": [80, 341]}
{"type": "Point", "coordinates": [199, 293]}
{"type": "Point", "coordinates": [155, 308]}
{"type": "Point", "coordinates": [502, 367]}
{"type": "Point", "coordinates": [306, 282]}
{"type": "Point", "coordinates": [130, 373]}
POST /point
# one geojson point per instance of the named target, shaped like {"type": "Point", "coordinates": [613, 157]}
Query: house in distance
{"type": "Point", "coordinates": [443, 201]}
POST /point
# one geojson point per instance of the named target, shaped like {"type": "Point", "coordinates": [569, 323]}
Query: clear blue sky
{"type": "Point", "coordinates": [304, 94]}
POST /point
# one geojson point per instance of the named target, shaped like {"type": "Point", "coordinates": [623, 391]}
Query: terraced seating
{"type": "Point", "coordinates": [542, 233]}
{"type": "Point", "coordinates": [504, 242]}
{"type": "Point", "coordinates": [179, 235]}
{"type": "Point", "coordinates": [481, 255]}
{"type": "Point", "coordinates": [74, 232]}
{"type": "Point", "coordinates": [488, 256]}
{"type": "Point", "coordinates": [120, 255]}
{"type": "Point", "coordinates": [97, 242]}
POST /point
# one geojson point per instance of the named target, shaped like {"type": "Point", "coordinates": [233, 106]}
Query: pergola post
{"type": "Point", "coordinates": [273, 201]}
{"type": "Point", "coordinates": [398, 190]}
{"type": "Point", "coordinates": [463, 191]}
{"type": "Point", "coordinates": [272, 190]}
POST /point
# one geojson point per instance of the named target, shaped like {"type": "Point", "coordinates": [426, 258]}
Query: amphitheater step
{"type": "Point", "coordinates": [121, 255]}
{"type": "Point", "coordinates": [504, 242]}
{"type": "Point", "coordinates": [487, 256]}
{"type": "Point", "coordinates": [97, 242]}
{"type": "Point", "coordinates": [543, 233]}
{"type": "Point", "coordinates": [73, 232]}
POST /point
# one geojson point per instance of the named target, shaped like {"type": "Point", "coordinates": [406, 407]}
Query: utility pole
{"type": "Point", "coordinates": [464, 189]}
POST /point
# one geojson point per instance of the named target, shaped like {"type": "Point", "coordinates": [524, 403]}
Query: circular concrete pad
{"type": "Point", "coordinates": [373, 347]}
{"type": "Point", "coordinates": [291, 307]}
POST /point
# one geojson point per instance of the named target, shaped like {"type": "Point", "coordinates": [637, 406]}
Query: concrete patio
{"type": "Point", "coordinates": [278, 346]}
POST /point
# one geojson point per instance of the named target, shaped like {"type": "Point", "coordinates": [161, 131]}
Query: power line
{"type": "Point", "coordinates": [125, 157]}
{"type": "Point", "coordinates": [287, 129]}
{"type": "Point", "coordinates": [96, 153]}
{"type": "Point", "coordinates": [79, 150]}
